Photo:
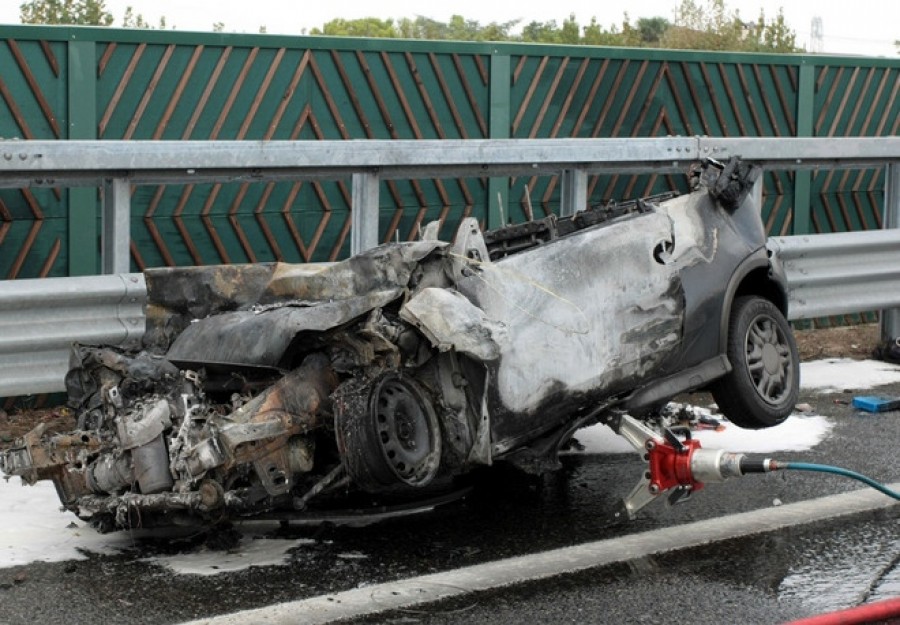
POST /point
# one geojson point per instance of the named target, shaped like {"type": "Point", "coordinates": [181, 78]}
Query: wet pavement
{"type": "Point", "coordinates": [766, 579]}
{"type": "Point", "coordinates": [772, 578]}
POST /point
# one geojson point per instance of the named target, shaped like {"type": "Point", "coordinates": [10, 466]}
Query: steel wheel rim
{"type": "Point", "coordinates": [769, 360]}
{"type": "Point", "coordinates": [406, 431]}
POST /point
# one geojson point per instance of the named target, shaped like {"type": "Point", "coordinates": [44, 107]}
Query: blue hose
{"type": "Point", "coordinates": [824, 468]}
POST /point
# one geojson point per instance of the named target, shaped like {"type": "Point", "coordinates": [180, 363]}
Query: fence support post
{"type": "Point", "coordinates": [82, 124]}
{"type": "Point", "coordinates": [806, 103]}
{"type": "Point", "coordinates": [364, 213]}
{"type": "Point", "coordinates": [499, 127]}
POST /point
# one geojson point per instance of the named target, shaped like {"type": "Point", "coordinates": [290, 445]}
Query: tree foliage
{"type": "Point", "coordinates": [710, 25]}
{"type": "Point", "coordinates": [366, 27]}
{"type": "Point", "coordinates": [697, 25]}
{"type": "Point", "coordinates": [83, 12]}
{"type": "Point", "coordinates": [652, 29]}
{"type": "Point", "coordinates": [80, 13]}
{"type": "Point", "coordinates": [133, 20]}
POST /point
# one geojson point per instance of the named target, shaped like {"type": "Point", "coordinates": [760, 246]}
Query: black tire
{"type": "Point", "coordinates": [394, 440]}
{"type": "Point", "coordinates": [764, 382]}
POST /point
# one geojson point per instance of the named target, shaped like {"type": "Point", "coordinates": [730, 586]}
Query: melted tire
{"type": "Point", "coordinates": [393, 440]}
{"type": "Point", "coordinates": [764, 383]}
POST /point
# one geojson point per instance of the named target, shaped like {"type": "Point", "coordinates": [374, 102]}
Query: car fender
{"type": "Point", "coordinates": [758, 274]}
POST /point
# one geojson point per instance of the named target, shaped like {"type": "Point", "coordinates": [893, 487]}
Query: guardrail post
{"type": "Point", "coordinates": [364, 213]}
{"type": "Point", "coordinates": [115, 240]}
{"type": "Point", "coordinates": [890, 318]}
{"type": "Point", "coordinates": [573, 192]}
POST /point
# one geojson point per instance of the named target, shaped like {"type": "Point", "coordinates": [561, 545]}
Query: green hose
{"type": "Point", "coordinates": [824, 468]}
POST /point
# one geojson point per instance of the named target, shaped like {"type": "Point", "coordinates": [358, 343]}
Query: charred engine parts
{"type": "Point", "coordinates": [176, 449]}
{"type": "Point", "coordinates": [506, 240]}
{"type": "Point", "coordinates": [140, 432]}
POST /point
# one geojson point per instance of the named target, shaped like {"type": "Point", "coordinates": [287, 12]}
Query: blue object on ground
{"type": "Point", "coordinates": [873, 403]}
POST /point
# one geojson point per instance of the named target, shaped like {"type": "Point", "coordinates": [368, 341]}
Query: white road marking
{"type": "Point", "coordinates": [491, 575]}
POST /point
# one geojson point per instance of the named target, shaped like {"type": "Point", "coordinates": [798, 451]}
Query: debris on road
{"type": "Point", "coordinates": [875, 403]}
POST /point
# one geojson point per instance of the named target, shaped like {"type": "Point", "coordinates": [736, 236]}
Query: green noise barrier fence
{"type": "Point", "coordinates": [95, 83]}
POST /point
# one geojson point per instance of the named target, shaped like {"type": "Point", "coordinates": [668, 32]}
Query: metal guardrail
{"type": "Point", "coordinates": [840, 273]}
{"type": "Point", "coordinates": [115, 165]}
{"type": "Point", "coordinates": [39, 320]}
{"type": "Point", "coordinates": [89, 163]}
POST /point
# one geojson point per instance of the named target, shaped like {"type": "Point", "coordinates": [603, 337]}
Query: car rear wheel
{"type": "Point", "coordinates": [396, 442]}
{"type": "Point", "coordinates": [764, 383]}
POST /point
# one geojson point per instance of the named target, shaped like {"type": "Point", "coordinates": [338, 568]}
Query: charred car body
{"type": "Point", "coordinates": [276, 387]}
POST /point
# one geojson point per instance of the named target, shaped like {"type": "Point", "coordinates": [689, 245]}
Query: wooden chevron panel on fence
{"type": "Point", "coordinates": [604, 96]}
{"type": "Point", "coordinates": [853, 102]}
{"type": "Point", "coordinates": [32, 106]}
{"type": "Point", "coordinates": [228, 92]}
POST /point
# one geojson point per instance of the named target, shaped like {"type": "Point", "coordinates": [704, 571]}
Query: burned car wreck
{"type": "Point", "coordinates": [277, 388]}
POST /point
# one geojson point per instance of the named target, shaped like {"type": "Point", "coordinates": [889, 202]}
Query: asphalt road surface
{"type": "Point", "coordinates": [769, 578]}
